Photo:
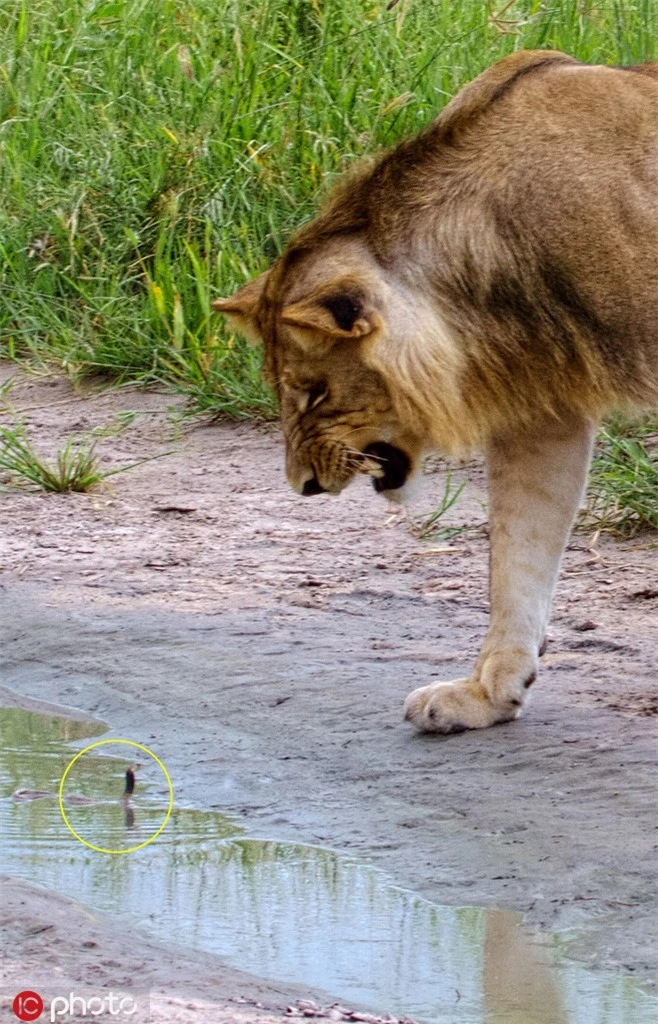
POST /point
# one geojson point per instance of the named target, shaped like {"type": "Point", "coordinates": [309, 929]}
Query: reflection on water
{"type": "Point", "coordinates": [289, 912]}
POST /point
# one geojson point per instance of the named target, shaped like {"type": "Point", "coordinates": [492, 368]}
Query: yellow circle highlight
{"type": "Point", "coordinates": [128, 743]}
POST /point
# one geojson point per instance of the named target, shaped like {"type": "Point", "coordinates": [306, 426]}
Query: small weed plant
{"type": "Point", "coordinates": [76, 468]}
{"type": "Point", "coordinates": [431, 528]}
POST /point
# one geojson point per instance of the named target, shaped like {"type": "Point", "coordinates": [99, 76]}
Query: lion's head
{"type": "Point", "coordinates": [322, 313]}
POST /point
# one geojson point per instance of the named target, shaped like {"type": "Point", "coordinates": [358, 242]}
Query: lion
{"type": "Point", "coordinates": [490, 284]}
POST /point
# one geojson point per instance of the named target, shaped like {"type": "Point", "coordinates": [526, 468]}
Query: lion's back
{"type": "Point", "coordinates": [526, 217]}
{"type": "Point", "coordinates": [546, 171]}
{"type": "Point", "coordinates": [580, 187]}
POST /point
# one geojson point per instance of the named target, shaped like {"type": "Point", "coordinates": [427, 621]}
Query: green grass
{"type": "Point", "coordinates": [155, 153]}
{"type": "Point", "coordinates": [623, 490]}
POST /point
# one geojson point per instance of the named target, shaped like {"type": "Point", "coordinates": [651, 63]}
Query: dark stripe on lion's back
{"type": "Point", "coordinates": [649, 68]}
{"type": "Point", "coordinates": [542, 310]}
{"type": "Point", "coordinates": [543, 306]}
{"type": "Point", "coordinates": [530, 294]}
{"type": "Point", "coordinates": [571, 307]}
{"type": "Point", "coordinates": [529, 69]}
{"type": "Point", "coordinates": [475, 98]}
{"type": "Point", "coordinates": [508, 297]}
{"type": "Point", "coordinates": [605, 335]}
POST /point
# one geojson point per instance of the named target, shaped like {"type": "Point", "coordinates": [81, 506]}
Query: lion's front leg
{"type": "Point", "coordinates": [535, 484]}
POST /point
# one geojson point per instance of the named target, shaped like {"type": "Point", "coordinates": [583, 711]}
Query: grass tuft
{"type": "Point", "coordinates": [623, 491]}
{"type": "Point", "coordinates": [75, 468]}
{"type": "Point", "coordinates": [430, 528]}
{"type": "Point", "coordinates": [157, 153]}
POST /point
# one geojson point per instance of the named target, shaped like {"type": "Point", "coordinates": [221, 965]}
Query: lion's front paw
{"type": "Point", "coordinates": [453, 707]}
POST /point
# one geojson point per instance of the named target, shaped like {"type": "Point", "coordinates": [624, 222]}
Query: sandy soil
{"type": "Point", "coordinates": [264, 644]}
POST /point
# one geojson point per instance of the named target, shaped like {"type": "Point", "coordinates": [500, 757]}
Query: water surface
{"type": "Point", "coordinates": [284, 911]}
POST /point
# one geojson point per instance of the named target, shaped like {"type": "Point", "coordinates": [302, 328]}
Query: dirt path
{"type": "Point", "coordinates": [264, 645]}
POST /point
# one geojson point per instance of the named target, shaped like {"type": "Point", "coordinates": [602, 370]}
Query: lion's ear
{"type": "Point", "coordinates": [339, 313]}
{"type": "Point", "coordinates": [240, 308]}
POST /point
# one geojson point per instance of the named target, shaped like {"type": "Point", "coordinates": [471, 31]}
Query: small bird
{"type": "Point", "coordinates": [130, 784]}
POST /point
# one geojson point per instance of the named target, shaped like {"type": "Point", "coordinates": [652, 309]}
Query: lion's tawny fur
{"type": "Point", "coordinates": [491, 283]}
{"type": "Point", "coordinates": [523, 224]}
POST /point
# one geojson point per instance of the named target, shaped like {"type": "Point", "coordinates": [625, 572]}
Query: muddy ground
{"type": "Point", "coordinates": [263, 645]}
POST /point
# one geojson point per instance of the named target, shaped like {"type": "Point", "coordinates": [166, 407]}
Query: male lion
{"type": "Point", "coordinates": [490, 284]}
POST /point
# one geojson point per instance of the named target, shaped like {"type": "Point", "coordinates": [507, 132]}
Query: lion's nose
{"type": "Point", "coordinates": [312, 487]}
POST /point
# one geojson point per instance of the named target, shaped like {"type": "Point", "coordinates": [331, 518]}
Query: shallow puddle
{"type": "Point", "coordinates": [283, 911]}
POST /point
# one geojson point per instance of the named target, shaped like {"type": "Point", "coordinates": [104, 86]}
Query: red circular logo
{"type": "Point", "coordinates": [28, 1005]}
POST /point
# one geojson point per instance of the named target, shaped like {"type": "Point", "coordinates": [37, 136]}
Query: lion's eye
{"type": "Point", "coordinates": [313, 396]}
